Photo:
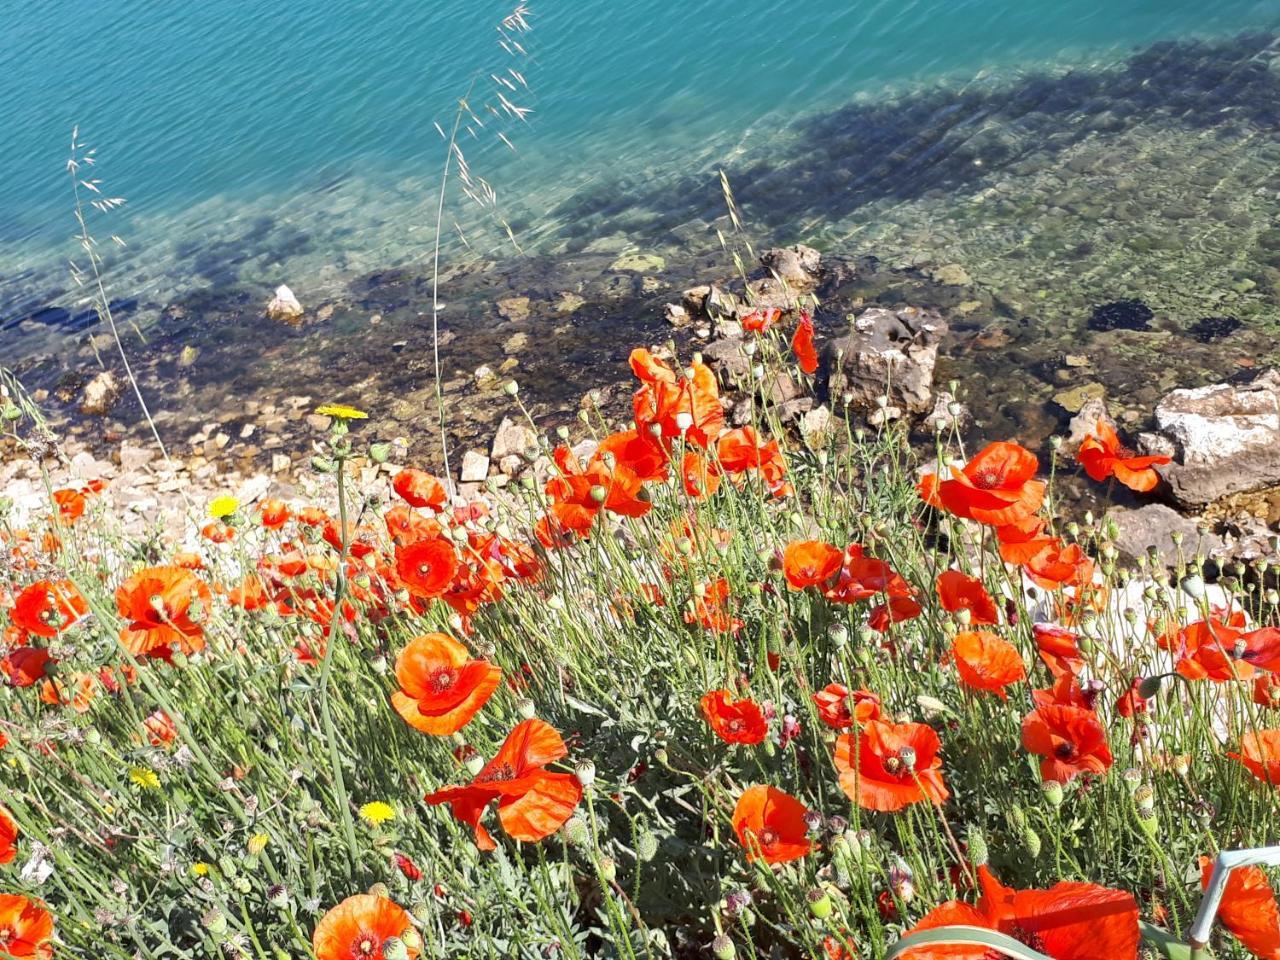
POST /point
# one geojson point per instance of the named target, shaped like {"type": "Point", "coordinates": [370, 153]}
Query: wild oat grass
{"type": "Point", "coordinates": [705, 691]}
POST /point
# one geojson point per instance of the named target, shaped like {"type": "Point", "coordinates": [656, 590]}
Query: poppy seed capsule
{"type": "Point", "coordinates": [1144, 798]}
{"type": "Point", "coordinates": [585, 771]}
{"type": "Point", "coordinates": [393, 948]}
{"type": "Point", "coordinates": [1052, 791]}
{"type": "Point", "coordinates": [722, 948]}
{"type": "Point", "coordinates": [511, 388]}
{"type": "Point", "coordinates": [819, 903]}
{"type": "Point", "coordinates": [526, 708]}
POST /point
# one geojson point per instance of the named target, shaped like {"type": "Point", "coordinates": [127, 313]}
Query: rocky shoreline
{"type": "Point", "coordinates": [905, 328]}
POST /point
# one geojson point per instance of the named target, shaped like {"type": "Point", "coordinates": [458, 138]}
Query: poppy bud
{"type": "Point", "coordinates": [976, 844]}
{"type": "Point", "coordinates": [608, 868]}
{"type": "Point", "coordinates": [576, 832]}
{"type": "Point", "coordinates": [646, 847]}
{"type": "Point", "coordinates": [722, 948]}
{"type": "Point", "coordinates": [1052, 791]}
{"type": "Point", "coordinates": [526, 708]}
{"type": "Point", "coordinates": [1193, 587]}
{"type": "Point", "coordinates": [819, 903]}
{"type": "Point", "coordinates": [585, 771]}
{"type": "Point", "coordinates": [555, 602]}
{"type": "Point", "coordinates": [1031, 841]}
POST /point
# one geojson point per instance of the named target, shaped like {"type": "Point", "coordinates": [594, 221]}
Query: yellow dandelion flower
{"type": "Point", "coordinates": [144, 779]}
{"type": "Point", "coordinates": [200, 869]}
{"type": "Point", "coordinates": [257, 843]}
{"type": "Point", "coordinates": [340, 411]}
{"type": "Point", "coordinates": [376, 813]}
{"type": "Point", "coordinates": [223, 506]}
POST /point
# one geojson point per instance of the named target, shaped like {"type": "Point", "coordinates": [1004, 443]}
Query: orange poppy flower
{"type": "Point", "coordinates": [1102, 456]}
{"type": "Point", "coordinates": [533, 802]}
{"type": "Point", "coordinates": [76, 691]}
{"type": "Point", "coordinates": [359, 927]}
{"type": "Point", "coordinates": [807, 563]}
{"type": "Point", "coordinates": [441, 688]}
{"type": "Point", "coordinates": [420, 489]}
{"type": "Point", "coordinates": [636, 450]}
{"type": "Point", "coordinates": [996, 487]}
{"type": "Point", "coordinates": [862, 577]}
{"type": "Point", "coordinates": [1058, 649]}
{"type": "Point", "coordinates": [894, 610]}
{"type": "Point", "coordinates": [739, 450]}
{"type": "Point", "coordinates": [1023, 540]}
{"type": "Point", "coordinates": [426, 568]}
{"type": "Point", "coordinates": [1266, 690]}
{"type": "Point", "coordinates": [156, 604]}
{"type": "Point", "coordinates": [687, 406]}
{"type": "Point", "coordinates": [8, 837]}
{"type": "Point", "coordinates": [188, 561]}
{"type": "Point", "coordinates": [26, 928]}
{"type": "Point", "coordinates": [1260, 754]}
{"type": "Point", "coordinates": [833, 703]}
{"type": "Point", "coordinates": [889, 766]}
{"type": "Point", "coordinates": [1214, 650]}
{"type": "Point", "coordinates": [985, 662]}
{"type": "Point", "coordinates": [273, 514]}
{"type": "Point", "coordinates": [734, 721]}
{"type": "Point", "coordinates": [700, 477]}
{"type": "Point", "coordinates": [215, 531]}
{"type": "Point", "coordinates": [956, 591]}
{"type": "Point", "coordinates": [710, 608]}
{"type": "Point", "coordinates": [802, 344]}
{"type": "Point", "coordinates": [770, 825]}
{"type": "Point", "coordinates": [71, 504]}
{"type": "Point", "coordinates": [1069, 740]}
{"type": "Point", "coordinates": [1069, 921]}
{"type": "Point", "coordinates": [48, 607]}
{"type": "Point", "coordinates": [1248, 909]}
{"type": "Point", "coordinates": [1060, 565]}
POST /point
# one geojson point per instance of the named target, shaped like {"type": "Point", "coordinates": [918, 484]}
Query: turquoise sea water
{"type": "Point", "coordinates": [1063, 153]}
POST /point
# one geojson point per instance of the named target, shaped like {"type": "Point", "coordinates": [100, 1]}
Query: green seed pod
{"type": "Point", "coordinates": [215, 922]}
{"type": "Point", "coordinates": [819, 903]}
{"type": "Point", "coordinates": [1149, 824]}
{"type": "Point", "coordinates": [1144, 798]}
{"type": "Point", "coordinates": [646, 847]}
{"type": "Point", "coordinates": [1031, 841]}
{"type": "Point", "coordinates": [1017, 817]}
{"type": "Point", "coordinates": [609, 868]}
{"type": "Point", "coordinates": [977, 846]}
{"type": "Point", "coordinates": [393, 948]}
{"type": "Point", "coordinates": [1052, 791]}
{"type": "Point", "coordinates": [722, 948]}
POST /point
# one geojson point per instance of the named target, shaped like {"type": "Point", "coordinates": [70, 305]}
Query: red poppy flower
{"type": "Point", "coordinates": [807, 563]}
{"type": "Point", "coordinates": [1102, 456]}
{"type": "Point", "coordinates": [1069, 740]}
{"type": "Point", "coordinates": [160, 728]}
{"type": "Point", "coordinates": [770, 825]}
{"type": "Point", "coordinates": [956, 591]}
{"type": "Point", "coordinates": [700, 476]}
{"type": "Point", "coordinates": [889, 766]}
{"type": "Point", "coordinates": [1069, 921]}
{"type": "Point", "coordinates": [637, 451]}
{"type": "Point", "coordinates": [26, 928]}
{"type": "Point", "coordinates": [833, 702]}
{"type": "Point", "coordinates": [1058, 649]}
{"type": "Point", "coordinates": [26, 666]}
{"type": "Point", "coordinates": [47, 607]}
{"type": "Point", "coordinates": [1132, 702]}
{"type": "Point", "coordinates": [215, 531]}
{"type": "Point", "coordinates": [894, 610]}
{"type": "Point", "coordinates": [441, 688]}
{"type": "Point", "coordinates": [862, 577]}
{"type": "Point", "coordinates": [8, 837]}
{"type": "Point", "coordinates": [996, 487]}
{"type": "Point", "coordinates": [710, 608]}
{"type": "Point", "coordinates": [274, 514]}
{"type": "Point", "coordinates": [1260, 754]}
{"type": "Point", "coordinates": [1022, 540]}
{"type": "Point", "coordinates": [687, 406]}
{"type": "Point", "coordinates": [802, 344]}
{"type": "Point", "coordinates": [740, 451]}
{"type": "Point", "coordinates": [1060, 565]}
{"type": "Point", "coordinates": [420, 489]}
{"type": "Point", "coordinates": [404, 863]}
{"type": "Point", "coordinates": [359, 927]}
{"type": "Point", "coordinates": [427, 567]}
{"type": "Point", "coordinates": [734, 721]}
{"type": "Point", "coordinates": [1248, 909]}
{"type": "Point", "coordinates": [760, 321]}
{"type": "Point", "coordinates": [1065, 692]}
{"type": "Point", "coordinates": [1218, 651]}
{"type": "Point", "coordinates": [533, 802]}
{"type": "Point", "coordinates": [985, 662]}
{"type": "Point", "coordinates": [1266, 690]}
{"type": "Point", "coordinates": [156, 605]}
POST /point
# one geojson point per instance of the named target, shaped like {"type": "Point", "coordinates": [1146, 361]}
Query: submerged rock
{"type": "Point", "coordinates": [1227, 437]}
{"type": "Point", "coordinates": [100, 394]}
{"type": "Point", "coordinates": [514, 308]}
{"type": "Point", "coordinates": [891, 354]}
{"type": "Point", "coordinates": [1121, 315]}
{"type": "Point", "coordinates": [284, 306]}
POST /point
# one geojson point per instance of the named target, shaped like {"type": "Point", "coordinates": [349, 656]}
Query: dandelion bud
{"type": "Point", "coordinates": [1031, 841]}
{"type": "Point", "coordinates": [976, 844]}
{"type": "Point", "coordinates": [474, 764]}
{"type": "Point", "coordinates": [257, 843]}
{"type": "Point", "coordinates": [646, 847]}
{"type": "Point", "coordinates": [393, 948]}
{"type": "Point", "coordinates": [1052, 791]}
{"type": "Point", "coordinates": [722, 948]}
{"type": "Point", "coordinates": [1144, 798]}
{"type": "Point", "coordinates": [585, 771]}
{"type": "Point", "coordinates": [819, 903]}
{"type": "Point", "coordinates": [1149, 687]}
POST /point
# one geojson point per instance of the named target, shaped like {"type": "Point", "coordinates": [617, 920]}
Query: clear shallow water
{"type": "Point", "coordinates": [1047, 147]}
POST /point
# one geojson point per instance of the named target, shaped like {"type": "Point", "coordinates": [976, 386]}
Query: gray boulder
{"type": "Point", "coordinates": [798, 265]}
{"type": "Point", "coordinates": [1227, 438]}
{"type": "Point", "coordinates": [890, 353]}
{"type": "Point", "coordinates": [1154, 525]}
